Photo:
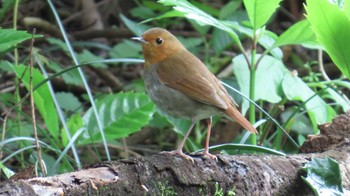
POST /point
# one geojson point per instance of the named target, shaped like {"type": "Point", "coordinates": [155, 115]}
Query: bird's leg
{"type": "Point", "coordinates": [206, 149]}
{"type": "Point", "coordinates": [179, 149]}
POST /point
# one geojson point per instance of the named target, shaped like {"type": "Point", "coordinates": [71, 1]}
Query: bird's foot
{"type": "Point", "coordinates": [206, 154]}
{"type": "Point", "coordinates": [180, 153]}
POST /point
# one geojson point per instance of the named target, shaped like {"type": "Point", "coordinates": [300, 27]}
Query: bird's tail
{"type": "Point", "coordinates": [238, 117]}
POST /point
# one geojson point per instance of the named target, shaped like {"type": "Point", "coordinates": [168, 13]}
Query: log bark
{"type": "Point", "coordinates": [162, 174]}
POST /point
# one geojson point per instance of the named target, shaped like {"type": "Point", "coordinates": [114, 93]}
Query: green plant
{"type": "Point", "coordinates": [323, 176]}
{"type": "Point", "coordinates": [165, 189]}
{"type": "Point", "coordinates": [67, 121]}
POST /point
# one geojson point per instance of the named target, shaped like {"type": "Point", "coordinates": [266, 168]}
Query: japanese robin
{"type": "Point", "coordinates": [182, 86]}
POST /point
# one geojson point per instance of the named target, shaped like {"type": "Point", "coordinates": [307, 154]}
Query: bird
{"type": "Point", "coordinates": [183, 87]}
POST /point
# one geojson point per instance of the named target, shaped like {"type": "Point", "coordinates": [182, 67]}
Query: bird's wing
{"type": "Point", "coordinates": [187, 74]}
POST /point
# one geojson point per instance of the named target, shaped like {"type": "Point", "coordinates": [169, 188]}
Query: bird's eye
{"type": "Point", "coordinates": [159, 41]}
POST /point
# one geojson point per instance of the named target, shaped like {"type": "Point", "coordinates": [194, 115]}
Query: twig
{"type": "Point", "coordinates": [325, 76]}
{"type": "Point", "coordinates": [3, 136]}
{"type": "Point", "coordinates": [37, 144]}
{"type": "Point", "coordinates": [320, 63]}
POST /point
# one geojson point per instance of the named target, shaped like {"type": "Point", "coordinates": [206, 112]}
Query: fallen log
{"type": "Point", "coordinates": [162, 174]}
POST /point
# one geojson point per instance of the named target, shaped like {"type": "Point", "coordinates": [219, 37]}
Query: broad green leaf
{"type": "Point", "coordinates": [260, 11]}
{"type": "Point", "coordinates": [74, 123]}
{"type": "Point", "coordinates": [201, 29]}
{"type": "Point", "coordinates": [170, 14]}
{"type": "Point", "coordinates": [206, 8]}
{"type": "Point", "coordinates": [70, 77]}
{"type": "Point", "coordinates": [323, 176]}
{"type": "Point", "coordinates": [6, 66]}
{"type": "Point", "coordinates": [60, 44]}
{"type": "Point", "coordinates": [192, 44]}
{"type": "Point", "coordinates": [267, 38]}
{"type": "Point", "coordinates": [202, 18]}
{"type": "Point", "coordinates": [137, 29]}
{"type": "Point", "coordinates": [346, 8]}
{"type": "Point", "coordinates": [121, 114]}
{"type": "Point", "coordinates": [86, 56]}
{"type": "Point", "coordinates": [68, 101]}
{"type": "Point", "coordinates": [295, 89]}
{"type": "Point", "coordinates": [142, 12]}
{"type": "Point", "coordinates": [331, 26]}
{"type": "Point", "coordinates": [269, 77]}
{"type": "Point", "coordinates": [299, 123]}
{"type": "Point", "coordinates": [339, 99]}
{"type": "Point", "coordinates": [229, 9]}
{"type": "Point", "coordinates": [124, 49]}
{"type": "Point", "coordinates": [220, 40]}
{"type": "Point", "coordinates": [42, 98]}
{"type": "Point", "coordinates": [11, 37]}
{"type": "Point", "coordinates": [299, 33]}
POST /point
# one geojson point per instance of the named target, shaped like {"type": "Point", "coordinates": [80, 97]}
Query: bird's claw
{"type": "Point", "coordinates": [180, 153]}
{"type": "Point", "coordinates": [206, 154]}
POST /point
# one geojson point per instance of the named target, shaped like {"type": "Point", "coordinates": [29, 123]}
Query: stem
{"type": "Point", "coordinates": [37, 145]}
{"type": "Point", "coordinates": [274, 112]}
{"type": "Point", "coordinates": [252, 119]}
{"type": "Point", "coordinates": [17, 95]}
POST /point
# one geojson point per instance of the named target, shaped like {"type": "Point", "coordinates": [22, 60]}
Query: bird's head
{"type": "Point", "coordinates": [158, 44]}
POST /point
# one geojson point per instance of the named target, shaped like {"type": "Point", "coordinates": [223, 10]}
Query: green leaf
{"type": "Point", "coordinates": [86, 56]}
{"type": "Point", "coordinates": [339, 99]}
{"type": "Point", "coordinates": [125, 49]}
{"type": "Point", "coordinates": [170, 14]}
{"type": "Point", "coordinates": [299, 123]}
{"type": "Point", "coordinates": [74, 123]}
{"type": "Point", "coordinates": [70, 77]}
{"type": "Point", "coordinates": [229, 9]}
{"type": "Point", "coordinates": [323, 176]}
{"type": "Point", "coordinates": [137, 29]}
{"type": "Point", "coordinates": [193, 13]}
{"type": "Point", "coordinates": [331, 26]}
{"type": "Point", "coordinates": [266, 39]}
{"type": "Point", "coordinates": [260, 11]}
{"type": "Point", "coordinates": [206, 8]}
{"type": "Point", "coordinates": [245, 147]}
{"type": "Point", "coordinates": [7, 171]}
{"type": "Point", "coordinates": [62, 45]}
{"type": "Point", "coordinates": [121, 114]}
{"type": "Point", "coordinates": [42, 98]}
{"type": "Point", "coordinates": [220, 40]}
{"type": "Point", "coordinates": [269, 77]}
{"type": "Point", "coordinates": [295, 89]}
{"type": "Point", "coordinates": [6, 6]}
{"type": "Point", "coordinates": [299, 33]}
{"type": "Point", "coordinates": [11, 37]}
{"type": "Point", "coordinates": [142, 12]}
{"type": "Point", "coordinates": [346, 8]}
{"type": "Point", "coordinates": [192, 44]}
{"type": "Point", "coordinates": [68, 101]}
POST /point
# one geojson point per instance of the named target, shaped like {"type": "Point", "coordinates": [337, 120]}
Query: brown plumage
{"type": "Point", "coordinates": [182, 86]}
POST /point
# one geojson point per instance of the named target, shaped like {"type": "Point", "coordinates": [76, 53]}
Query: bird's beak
{"type": "Point", "coordinates": [140, 39]}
